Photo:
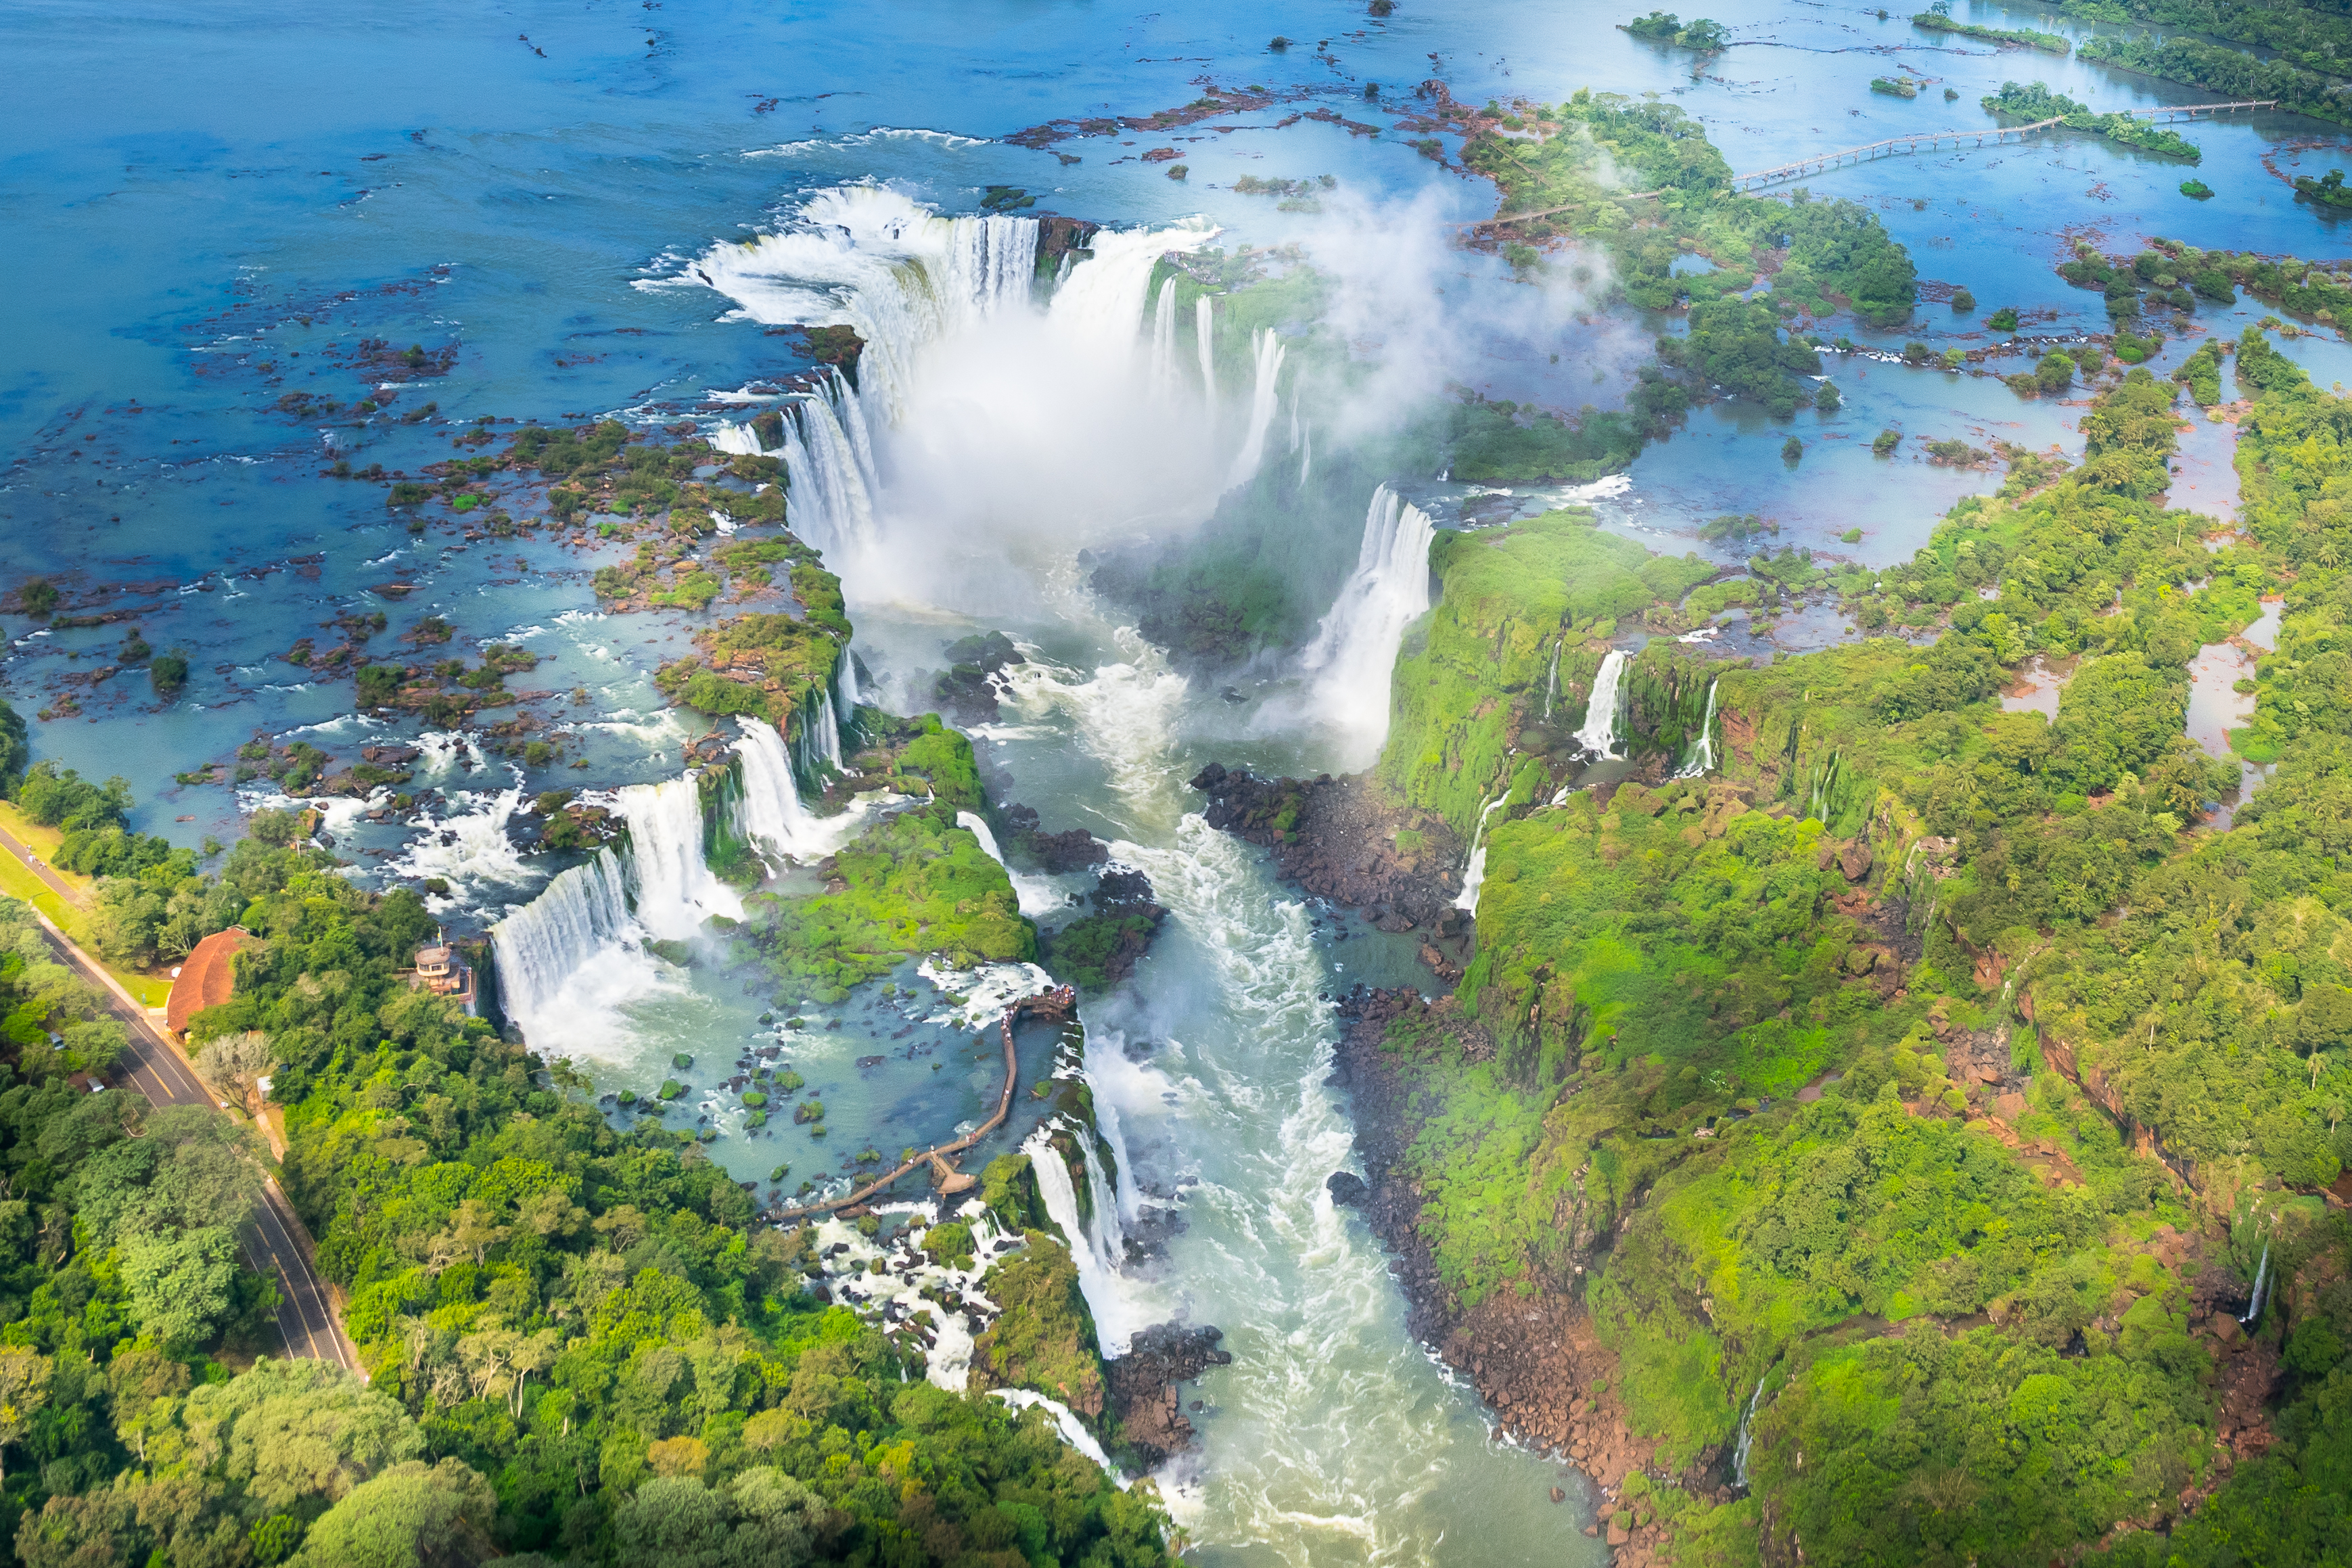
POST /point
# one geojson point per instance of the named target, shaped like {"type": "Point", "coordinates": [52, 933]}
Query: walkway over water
{"type": "Point", "coordinates": [1929, 141]}
{"type": "Point", "coordinates": [1060, 1004]}
{"type": "Point", "coordinates": [1893, 147]}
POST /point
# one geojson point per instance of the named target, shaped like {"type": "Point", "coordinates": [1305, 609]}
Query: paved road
{"type": "Point", "coordinates": [275, 1241]}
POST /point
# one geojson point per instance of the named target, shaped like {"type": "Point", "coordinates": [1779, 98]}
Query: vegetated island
{"type": "Point", "coordinates": [2326, 191]}
{"type": "Point", "coordinates": [2032, 101]}
{"type": "Point", "coordinates": [1663, 28]}
{"type": "Point", "coordinates": [2048, 43]}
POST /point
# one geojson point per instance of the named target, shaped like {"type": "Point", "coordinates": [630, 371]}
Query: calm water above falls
{"type": "Point", "coordinates": [183, 191]}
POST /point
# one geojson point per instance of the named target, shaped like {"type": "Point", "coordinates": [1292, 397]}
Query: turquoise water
{"type": "Point", "coordinates": [209, 213]}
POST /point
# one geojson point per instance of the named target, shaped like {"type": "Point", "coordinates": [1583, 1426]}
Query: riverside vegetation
{"type": "Point", "coordinates": [583, 1346]}
{"type": "Point", "coordinates": [1913, 1101]}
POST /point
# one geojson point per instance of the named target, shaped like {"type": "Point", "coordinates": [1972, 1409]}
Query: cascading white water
{"type": "Point", "coordinates": [1747, 1436]}
{"type": "Point", "coordinates": [990, 262]}
{"type": "Point", "coordinates": [1037, 895]}
{"type": "Point", "coordinates": [1551, 681]}
{"type": "Point", "coordinates": [845, 695]}
{"type": "Point", "coordinates": [1703, 755]}
{"type": "Point", "coordinates": [1354, 651]}
{"type": "Point", "coordinates": [964, 378]}
{"type": "Point", "coordinates": [2262, 1274]}
{"type": "Point", "coordinates": [1204, 336]}
{"type": "Point", "coordinates": [771, 812]}
{"type": "Point", "coordinates": [1598, 733]}
{"type": "Point", "coordinates": [1107, 1294]}
{"type": "Point", "coordinates": [818, 745]}
{"type": "Point", "coordinates": [1110, 1076]}
{"type": "Point", "coordinates": [737, 440]}
{"type": "Point", "coordinates": [832, 501]}
{"type": "Point", "coordinates": [1474, 874]}
{"type": "Point", "coordinates": [675, 888]}
{"type": "Point", "coordinates": [542, 945]}
{"type": "Point", "coordinates": [1266, 354]}
{"type": "Point", "coordinates": [1065, 1421]}
{"type": "Point", "coordinates": [866, 257]}
{"type": "Point", "coordinates": [470, 848]}
{"type": "Point", "coordinates": [1163, 342]}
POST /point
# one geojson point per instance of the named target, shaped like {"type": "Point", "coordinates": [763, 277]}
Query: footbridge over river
{"type": "Point", "coordinates": [1929, 140]}
{"type": "Point", "coordinates": [1893, 147]}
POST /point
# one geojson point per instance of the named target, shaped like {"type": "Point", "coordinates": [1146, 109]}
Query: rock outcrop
{"type": "Point", "coordinates": [1146, 1385]}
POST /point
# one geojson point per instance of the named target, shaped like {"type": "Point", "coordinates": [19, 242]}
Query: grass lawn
{"type": "Point", "coordinates": [17, 881]}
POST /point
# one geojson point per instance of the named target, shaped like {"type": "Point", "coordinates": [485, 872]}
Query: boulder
{"type": "Point", "coordinates": [1346, 1188]}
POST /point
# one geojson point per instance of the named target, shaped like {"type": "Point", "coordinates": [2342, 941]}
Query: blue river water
{"type": "Point", "coordinates": [210, 211]}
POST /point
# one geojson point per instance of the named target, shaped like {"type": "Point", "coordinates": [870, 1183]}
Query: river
{"type": "Point", "coordinates": [209, 206]}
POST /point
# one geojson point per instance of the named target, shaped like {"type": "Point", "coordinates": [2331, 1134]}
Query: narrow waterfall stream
{"type": "Point", "coordinates": [1352, 658]}
{"type": "Point", "coordinates": [1598, 733]}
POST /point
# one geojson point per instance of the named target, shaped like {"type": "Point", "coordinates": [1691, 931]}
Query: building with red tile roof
{"type": "Point", "coordinates": [206, 980]}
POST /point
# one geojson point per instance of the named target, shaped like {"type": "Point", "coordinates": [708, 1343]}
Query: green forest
{"type": "Point", "coordinates": [580, 1346]}
{"type": "Point", "coordinates": [1926, 1079]}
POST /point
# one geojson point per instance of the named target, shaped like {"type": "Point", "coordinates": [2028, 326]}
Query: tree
{"type": "Point", "coordinates": [674, 1520]}
{"type": "Point", "coordinates": [191, 1169]}
{"type": "Point", "coordinates": [24, 1389]}
{"type": "Point", "coordinates": [183, 1285]}
{"type": "Point", "coordinates": [236, 1062]}
{"type": "Point", "coordinates": [292, 1431]}
{"type": "Point", "coordinates": [14, 751]}
{"type": "Point", "coordinates": [412, 1515]}
{"type": "Point", "coordinates": [168, 673]}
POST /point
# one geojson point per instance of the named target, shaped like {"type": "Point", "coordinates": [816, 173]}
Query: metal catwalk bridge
{"type": "Point", "coordinates": [1929, 141]}
{"type": "Point", "coordinates": [1897, 147]}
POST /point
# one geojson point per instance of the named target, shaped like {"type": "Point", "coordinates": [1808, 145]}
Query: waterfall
{"type": "Point", "coordinates": [675, 891]}
{"type": "Point", "coordinates": [2262, 1273]}
{"type": "Point", "coordinates": [817, 747]}
{"type": "Point", "coordinates": [1475, 873]}
{"type": "Point", "coordinates": [1746, 1437]}
{"type": "Point", "coordinates": [1306, 456]}
{"type": "Point", "coordinates": [1065, 1421]}
{"type": "Point", "coordinates": [736, 440]}
{"type": "Point", "coordinates": [845, 691]}
{"type": "Point", "coordinates": [540, 946]}
{"type": "Point", "coordinates": [1551, 681]}
{"type": "Point", "coordinates": [1102, 1067]}
{"type": "Point", "coordinates": [1703, 756]}
{"type": "Point", "coordinates": [1354, 651]}
{"type": "Point", "coordinates": [1163, 342]}
{"type": "Point", "coordinates": [1098, 1265]}
{"type": "Point", "coordinates": [831, 503]}
{"type": "Point", "coordinates": [1598, 733]}
{"type": "Point", "coordinates": [1267, 351]}
{"type": "Point", "coordinates": [1038, 896]}
{"type": "Point", "coordinates": [1201, 334]}
{"type": "Point", "coordinates": [990, 261]}
{"type": "Point", "coordinates": [771, 812]}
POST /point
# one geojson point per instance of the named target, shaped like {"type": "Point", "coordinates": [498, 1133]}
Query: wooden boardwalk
{"type": "Point", "coordinates": [1061, 1004]}
{"type": "Point", "coordinates": [1929, 141]}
